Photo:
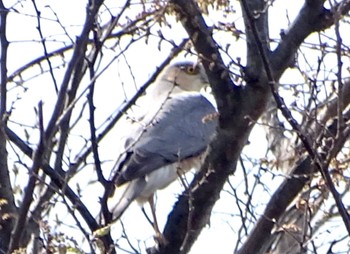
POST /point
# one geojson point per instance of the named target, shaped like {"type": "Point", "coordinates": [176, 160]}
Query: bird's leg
{"type": "Point", "coordinates": [159, 236]}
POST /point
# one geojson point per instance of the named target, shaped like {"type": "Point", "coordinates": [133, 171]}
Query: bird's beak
{"type": "Point", "coordinates": [204, 77]}
{"type": "Point", "coordinates": [205, 80]}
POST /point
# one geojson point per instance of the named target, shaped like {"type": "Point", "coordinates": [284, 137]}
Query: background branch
{"type": "Point", "coordinates": [8, 209]}
{"type": "Point", "coordinates": [258, 239]}
{"type": "Point", "coordinates": [38, 160]}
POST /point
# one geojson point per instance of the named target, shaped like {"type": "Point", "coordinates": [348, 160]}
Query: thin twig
{"type": "Point", "coordinates": [43, 42]}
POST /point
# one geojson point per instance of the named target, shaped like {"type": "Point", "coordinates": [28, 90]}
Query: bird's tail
{"type": "Point", "coordinates": [125, 195]}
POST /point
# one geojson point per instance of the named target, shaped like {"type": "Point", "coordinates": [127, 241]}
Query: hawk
{"type": "Point", "coordinates": [169, 139]}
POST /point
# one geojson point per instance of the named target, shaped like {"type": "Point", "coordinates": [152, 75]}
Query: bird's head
{"type": "Point", "coordinates": [186, 76]}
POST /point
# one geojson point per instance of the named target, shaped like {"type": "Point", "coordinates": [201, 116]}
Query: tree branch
{"type": "Point", "coordinates": [7, 209]}
{"type": "Point", "coordinates": [74, 65]}
{"type": "Point", "coordinates": [321, 164]}
{"type": "Point", "coordinates": [239, 108]}
{"type": "Point", "coordinates": [61, 184]}
{"type": "Point", "coordinates": [38, 160]}
{"type": "Point", "coordinates": [43, 42]}
{"type": "Point", "coordinates": [312, 17]}
{"type": "Point", "coordinates": [258, 240]}
{"type": "Point", "coordinates": [255, 11]}
{"type": "Point", "coordinates": [200, 34]}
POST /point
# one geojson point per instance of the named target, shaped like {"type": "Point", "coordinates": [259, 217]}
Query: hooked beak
{"type": "Point", "coordinates": [204, 77]}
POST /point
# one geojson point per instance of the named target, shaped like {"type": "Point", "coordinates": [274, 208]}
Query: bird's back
{"type": "Point", "coordinates": [178, 132]}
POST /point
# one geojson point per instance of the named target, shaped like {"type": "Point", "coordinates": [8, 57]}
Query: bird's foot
{"type": "Point", "coordinates": [160, 243]}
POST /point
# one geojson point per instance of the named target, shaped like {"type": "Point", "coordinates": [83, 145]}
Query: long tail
{"type": "Point", "coordinates": [130, 193]}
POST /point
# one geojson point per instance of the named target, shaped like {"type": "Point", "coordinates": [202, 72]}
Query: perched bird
{"type": "Point", "coordinates": [169, 139]}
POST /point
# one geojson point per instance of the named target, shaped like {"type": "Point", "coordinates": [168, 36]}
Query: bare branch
{"type": "Point", "coordinates": [74, 65]}
{"type": "Point", "coordinates": [61, 184]}
{"type": "Point", "coordinates": [38, 15]}
{"type": "Point", "coordinates": [255, 11]}
{"type": "Point", "coordinates": [311, 18]}
{"type": "Point", "coordinates": [38, 160]}
{"type": "Point", "coordinates": [258, 240]}
{"type": "Point", "coordinates": [8, 209]}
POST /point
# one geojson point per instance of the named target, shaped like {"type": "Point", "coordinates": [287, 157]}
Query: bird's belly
{"type": "Point", "coordinates": [162, 177]}
{"type": "Point", "coordinates": [159, 179]}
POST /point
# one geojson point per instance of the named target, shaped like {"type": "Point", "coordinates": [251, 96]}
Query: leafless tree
{"type": "Point", "coordinates": [66, 86]}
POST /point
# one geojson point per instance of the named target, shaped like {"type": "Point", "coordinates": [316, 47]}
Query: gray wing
{"type": "Point", "coordinates": [178, 132]}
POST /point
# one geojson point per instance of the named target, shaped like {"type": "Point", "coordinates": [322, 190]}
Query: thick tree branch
{"type": "Point", "coordinates": [255, 12]}
{"type": "Point", "coordinates": [200, 34]}
{"type": "Point", "coordinates": [194, 206]}
{"type": "Point", "coordinates": [238, 108]}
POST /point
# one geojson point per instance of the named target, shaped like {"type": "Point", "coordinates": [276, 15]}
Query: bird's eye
{"type": "Point", "coordinates": [191, 70]}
